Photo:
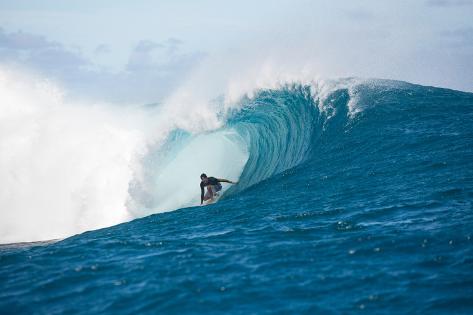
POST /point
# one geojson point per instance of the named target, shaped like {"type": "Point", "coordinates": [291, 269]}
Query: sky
{"type": "Point", "coordinates": [141, 51]}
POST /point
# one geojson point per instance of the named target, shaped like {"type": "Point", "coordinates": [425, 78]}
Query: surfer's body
{"type": "Point", "coordinates": [213, 187]}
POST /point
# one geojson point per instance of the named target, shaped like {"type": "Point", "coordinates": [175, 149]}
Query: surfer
{"type": "Point", "coordinates": [213, 186]}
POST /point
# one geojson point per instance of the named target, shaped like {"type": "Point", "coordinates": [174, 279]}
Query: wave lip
{"type": "Point", "coordinates": [278, 127]}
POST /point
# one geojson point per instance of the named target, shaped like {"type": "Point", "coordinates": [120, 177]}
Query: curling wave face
{"type": "Point", "coordinates": [69, 167]}
{"type": "Point", "coordinates": [72, 167]}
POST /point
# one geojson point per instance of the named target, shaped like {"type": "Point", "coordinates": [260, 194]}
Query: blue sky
{"type": "Point", "coordinates": [139, 51]}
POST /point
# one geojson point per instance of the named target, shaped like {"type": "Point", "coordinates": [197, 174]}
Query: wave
{"type": "Point", "coordinates": [262, 135]}
{"type": "Point", "coordinates": [70, 167]}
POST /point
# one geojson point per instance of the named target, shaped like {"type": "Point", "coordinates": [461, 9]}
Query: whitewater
{"type": "Point", "coordinates": [354, 195]}
{"type": "Point", "coordinates": [71, 166]}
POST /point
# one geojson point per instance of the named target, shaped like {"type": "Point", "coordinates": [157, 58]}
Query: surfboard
{"type": "Point", "coordinates": [213, 200]}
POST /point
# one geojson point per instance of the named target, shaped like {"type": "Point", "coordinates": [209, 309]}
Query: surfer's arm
{"type": "Point", "coordinates": [201, 194]}
{"type": "Point", "coordinates": [222, 180]}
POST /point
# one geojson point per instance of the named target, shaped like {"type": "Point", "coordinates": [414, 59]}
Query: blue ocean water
{"type": "Point", "coordinates": [362, 204]}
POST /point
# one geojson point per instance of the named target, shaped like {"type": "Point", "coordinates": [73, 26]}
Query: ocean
{"type": "Point", "coordinates": [353, 196]}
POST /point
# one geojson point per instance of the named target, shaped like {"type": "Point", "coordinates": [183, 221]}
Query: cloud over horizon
{"type": "Point", "coordinates": [425, 41]}
{"type": "Point", "coordinates": [152, 71]}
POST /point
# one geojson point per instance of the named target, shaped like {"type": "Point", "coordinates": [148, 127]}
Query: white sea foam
{"type": "Point", "coordinates": [67, 167]}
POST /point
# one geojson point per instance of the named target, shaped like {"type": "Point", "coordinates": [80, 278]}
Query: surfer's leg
{"type": "Point", "coordinates": [210, 191]}
{"type": "Point", "coordinates": [208, 194]}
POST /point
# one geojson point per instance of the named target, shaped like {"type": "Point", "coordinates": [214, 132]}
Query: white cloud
{"type": "Point", "coordinates": [152, 71]}
{"type": "Point", "coordinates": [102, 49]}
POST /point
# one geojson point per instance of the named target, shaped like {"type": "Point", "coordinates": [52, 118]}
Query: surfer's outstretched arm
{"type": "Point", "coordinates": [222, 180]}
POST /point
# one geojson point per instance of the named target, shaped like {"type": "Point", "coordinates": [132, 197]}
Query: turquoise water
{"type": "Point", "coordinates": [362, 204]}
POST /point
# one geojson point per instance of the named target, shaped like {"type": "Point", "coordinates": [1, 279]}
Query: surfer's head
{"type": "Point", "coordinates": [203, 176]}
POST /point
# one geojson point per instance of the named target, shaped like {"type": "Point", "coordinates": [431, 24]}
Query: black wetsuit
{"type": "Point", "coordinates": [210, 181]}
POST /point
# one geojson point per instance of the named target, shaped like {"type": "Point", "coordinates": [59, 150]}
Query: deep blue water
{"type": "Point", "coordinates": [337, 211]}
